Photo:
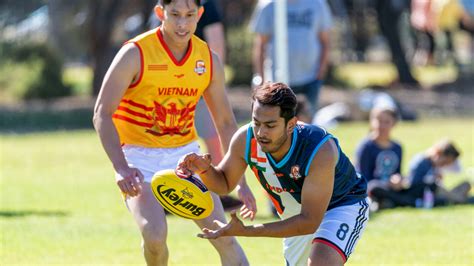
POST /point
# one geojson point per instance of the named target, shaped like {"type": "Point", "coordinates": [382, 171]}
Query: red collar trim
{"type": "Point", "coordinates": [168, 51]}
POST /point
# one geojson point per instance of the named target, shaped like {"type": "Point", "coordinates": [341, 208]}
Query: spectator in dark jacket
{"type": "Point", "coordinates": [378, 156]}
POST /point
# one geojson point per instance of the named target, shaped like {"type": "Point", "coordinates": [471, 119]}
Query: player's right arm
{"type": "Point", "coordinates": [123, 71]}
{"type": "Point", "coordinates": [223, 178]}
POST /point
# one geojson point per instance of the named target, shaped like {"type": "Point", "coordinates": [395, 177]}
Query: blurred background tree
{"type": "Point", "coordinates": [82, 37]}
{"type": "Point", "coordinates": [91, 32]}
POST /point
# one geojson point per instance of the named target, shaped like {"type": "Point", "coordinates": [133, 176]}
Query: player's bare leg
{"type": "Point", "coordinates": [230, 252]}
{"type": "Point", "coordinates": [324, 255]}
{"type": "Point", "coordinates": [150, 218]}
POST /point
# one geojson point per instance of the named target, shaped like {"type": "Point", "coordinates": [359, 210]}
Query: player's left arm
{"type": "Point", "coordinates": [316, 193]}
{"type": "Point", "coordinates": [219, 106]}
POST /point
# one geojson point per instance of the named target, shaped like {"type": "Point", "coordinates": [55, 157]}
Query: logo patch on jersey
{"type": "Point", "coordinates": [200, 67]}
{"type": "Point", "coordinates": [295, 172]}
{"type": "Point", "coordinates": [386, 164]}
{"type": "Point", "coordinates": [168, 119]}
{"type": "Point", "coordinates": [155, 67]}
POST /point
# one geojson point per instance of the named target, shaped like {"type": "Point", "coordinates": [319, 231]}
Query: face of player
{"type": "Point", "coordinates": [179, 20]}
{"type": "Point", "coordinates": [382, 123]}
{"type": "Point", "coordinates": [270, 130]}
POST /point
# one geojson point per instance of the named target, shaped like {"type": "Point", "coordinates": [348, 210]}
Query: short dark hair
{"type": "Point", "coordinates": [276, 94]}
{"type": "Point", "coordinates": [167, 2]}
{"type": "Point", "coordinates": [392, 112]}
{"type": "Point", "coordinates": [447, 148]}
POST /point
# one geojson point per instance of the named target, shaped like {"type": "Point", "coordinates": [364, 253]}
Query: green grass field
{"type": "Point", "coordinates": [59, 205]}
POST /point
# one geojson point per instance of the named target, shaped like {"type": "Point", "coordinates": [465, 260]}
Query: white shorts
{"type": "Point", "coordinates": [340, 229]}
{"type": "Point", "coordinates": [151, 160]}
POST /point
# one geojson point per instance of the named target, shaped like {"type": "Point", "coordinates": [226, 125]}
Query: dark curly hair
{"type": "Point", "coordinates": [276, 94]}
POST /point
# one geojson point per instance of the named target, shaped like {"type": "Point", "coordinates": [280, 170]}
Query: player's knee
{"type": "Point", "coordinates": [230, 251]}
{"type": "Point", "coordinates": [325, 261]}
{"type": "Point", "coordinates": [154, 240]}
{"type": "Point", "coordinates": [154, 245]}
{"type": "Point", "coordinates": [324, 255]}
{"type": "Point", "coordinates": [225, 243]}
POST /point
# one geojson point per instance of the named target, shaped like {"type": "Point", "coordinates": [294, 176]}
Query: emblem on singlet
{"type": "Point", "coordinates": [200, 67]}
{"type": "Point", "coordinates": [170, 120]}
{"type": "Point", "coordinates": [295, 172]}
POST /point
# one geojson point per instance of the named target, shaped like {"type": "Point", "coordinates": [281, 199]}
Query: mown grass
{"type": "Point", "coordinates": [59, 205]}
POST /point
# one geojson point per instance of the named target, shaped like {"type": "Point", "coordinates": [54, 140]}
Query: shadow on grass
{"type": "Point", "coordinates": [25, 213]}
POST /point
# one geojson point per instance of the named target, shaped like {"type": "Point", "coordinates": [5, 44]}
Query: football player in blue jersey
{"type": "Point", "coordinates": [321, 200]}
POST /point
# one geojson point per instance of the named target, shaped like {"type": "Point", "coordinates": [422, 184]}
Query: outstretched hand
{"type": "Point", "coordinates": [193, 163]}
{"type": "Point", "coordinates": [249, 209]}
{"type": "Point", "coordinates": [234, 228]}
{"type": "Point", "coordinates": [129, 180]}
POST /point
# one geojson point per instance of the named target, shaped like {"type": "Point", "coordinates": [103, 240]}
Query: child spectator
{"type": "Point", "coordinates": [426, 174]}
{"type": "Point", "coordinates": [378, 156]}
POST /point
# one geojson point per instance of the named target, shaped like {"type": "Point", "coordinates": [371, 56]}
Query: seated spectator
{"type": "Point", "coordinates": [378, 156]}
{"type": "Point", "coordinates": [426, 174]}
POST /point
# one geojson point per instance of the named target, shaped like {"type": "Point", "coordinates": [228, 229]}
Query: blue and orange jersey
{"type": "Point", "coordinates": [157, 110]}
{"type": "Point", "coordinates": [283, 180]}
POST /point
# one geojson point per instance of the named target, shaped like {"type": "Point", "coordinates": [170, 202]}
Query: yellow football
{"type": "Point", "coordinates": [185, 197]}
